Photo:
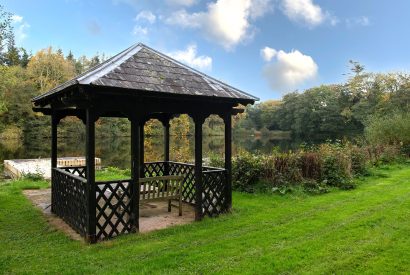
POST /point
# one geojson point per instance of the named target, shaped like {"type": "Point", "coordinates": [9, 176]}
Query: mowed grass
{"type": "Point", "coordinates": [366, 230]}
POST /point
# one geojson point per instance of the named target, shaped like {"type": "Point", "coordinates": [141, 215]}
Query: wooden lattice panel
{"type": "Point", "coordinates": [113, 208]}
{"type": "Point", "coordinates": [214, 192]}
{"type": "Point", "coordinates": [154, 169]}
{"type": "Point", "coordinates": [76, 170]}
{"type": "Point", "coordinates": [188, 172]}
{"type": "Point", "coordinates": [69, 199]}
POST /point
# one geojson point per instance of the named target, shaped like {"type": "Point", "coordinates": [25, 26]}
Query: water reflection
{"type": "Point", "coordinates": [116, 151]}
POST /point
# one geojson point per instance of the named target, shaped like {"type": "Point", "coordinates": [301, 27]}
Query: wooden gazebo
{"type": "Point", "coordinates": [139, 83]}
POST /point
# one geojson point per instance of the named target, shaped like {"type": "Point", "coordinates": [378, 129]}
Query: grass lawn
{"type": "Point", "coordinates": [366, 230]}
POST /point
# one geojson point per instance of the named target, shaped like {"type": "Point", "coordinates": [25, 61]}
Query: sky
{"type": "Point", "coordinates": [264, 47]}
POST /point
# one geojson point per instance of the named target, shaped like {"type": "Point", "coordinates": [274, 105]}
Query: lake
{"type": "Point", "coordinates": [116, 151]}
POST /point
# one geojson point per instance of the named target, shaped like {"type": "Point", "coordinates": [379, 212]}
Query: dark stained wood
{"type": "Point", "coordinates": [166, 145]}
{"type": "Point", "coordinates": [198, 120]}
{"type": "Point", "coordinates": [142, 147]}
{"type": "Point", "coordinates": [135, 172]}
{"type": "Point", "coordinates": [90, 161]}
{"type": "Point", "coordinates": [54, 124]}
{"type": "Point", "coordinates": [228, 159]}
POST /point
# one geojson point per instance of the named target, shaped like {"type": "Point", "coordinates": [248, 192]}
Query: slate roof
{"type": "Point", "coordinates": [143, 68]}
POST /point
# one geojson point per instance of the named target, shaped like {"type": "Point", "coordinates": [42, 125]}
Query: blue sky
{"type": "Point", "coordinates": [264, 47]}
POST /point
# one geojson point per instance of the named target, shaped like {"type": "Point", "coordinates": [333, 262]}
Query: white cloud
{"type": "Point", "coordinates": [16, 18]}
{"type": "Point", "coordinates": [260, 8]}
{"type": "Point", "coordinates": [268, 53]}
{"type": "Point", "coordinates": [184, 19]}
{"type": "Point", "coordinates": [304, 11]}
{"type": "Point", "coordinates": [359, 21]}
{"type": "Point", "coordinates": [228, 22]}
{"type": "Point", "coordinates": [146, 16]}
{"type": "Point", "coordinates": [139, 31]}
{"type": "Point", "coordinates": [189, 56]}
{"type": "Point", "coordinates": [186, 3]}
{"type": "Point", "coordinates": [289, 70]}
{"type": "Point", "coordinates": [20, 28]}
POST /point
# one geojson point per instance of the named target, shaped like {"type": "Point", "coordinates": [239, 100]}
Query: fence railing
{"type": "Point", "coordinates": [69, 199]}
{"type": "Point", "coordinates": [113, 198]}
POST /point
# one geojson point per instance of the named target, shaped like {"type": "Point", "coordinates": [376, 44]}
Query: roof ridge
{"type": "Point", "coordinates": [105, 67]}
{"type": "Point", "coordinates": [196, 71]}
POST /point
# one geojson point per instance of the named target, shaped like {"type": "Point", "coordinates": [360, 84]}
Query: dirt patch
{"type": "Point", "coordinates": [153, 216]}
{"type": "Point", "coordinates": [41, 198]}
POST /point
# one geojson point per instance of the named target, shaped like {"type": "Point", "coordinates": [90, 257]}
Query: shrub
{"type": "Point", "coordinates": [312, 170]}
{"type": "Point", "coordinates": [310, 164]}
{"type": "Point", "coordinates": [246, 171]}
{"type": "Point", "coordinates": [359, 159]}
{"type": "Point", "coordinates": [36, 176]}
{"type": "Point", "coordinates": [314, 187]}
{"type": "Point", "coordinates": [391, 130]}
{"type": "Point", "coordinates": [336, 165]}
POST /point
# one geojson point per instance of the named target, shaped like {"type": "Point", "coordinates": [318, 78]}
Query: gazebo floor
{"type": "Point", "coordinates": [153, 215]}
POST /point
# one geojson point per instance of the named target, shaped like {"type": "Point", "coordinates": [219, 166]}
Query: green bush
{"type": "Point", "coordinates": [312, 170]}
{"type": "Point", "coordinates": [391, 130]}
{"type": "Point", "coordinates": [247, 170]}
{"type": "Point", "coordinates": [336, 165]}
{"type": "Point", "coordinates": [359, 159]}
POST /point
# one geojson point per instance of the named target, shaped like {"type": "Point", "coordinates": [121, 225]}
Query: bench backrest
{"type": "Point", "coordinates": [160, 187]}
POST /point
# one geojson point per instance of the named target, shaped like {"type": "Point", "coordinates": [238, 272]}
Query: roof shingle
{"type": "Point", "coordinates": [143, 68]}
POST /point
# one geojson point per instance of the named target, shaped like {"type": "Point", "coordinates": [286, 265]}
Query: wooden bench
{"type": "Point", "coordinates": [162, 188]}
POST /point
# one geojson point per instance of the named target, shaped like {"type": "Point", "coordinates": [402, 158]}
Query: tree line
{"type": "Point", "coordinates": [321, 113]}
{"type": "Point", "coordinates": [335, 111]}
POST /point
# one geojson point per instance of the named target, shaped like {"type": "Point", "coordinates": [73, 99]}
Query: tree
{"type": "Point", "coordinates": [95, 60]}
{"type": "Point", "coordinates": [70, 57]}
{"type": "Point", "coordinates": [12, 56]}
{"type": "Point", "coordinates": [48, 69]}
{"type": "Point", "coordinates": [6, 31]}
{"type": "Point", "coordinates": [24, 57]}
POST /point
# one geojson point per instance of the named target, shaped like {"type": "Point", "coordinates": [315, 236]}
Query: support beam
{"type": "Point", "coordinates": [141, 148]}
{"type": "Point", "coordinates": [90, 162]}
{"type": "Point", "coordinates": [166, 140]}
{"type": "Point", "coordinates": [135, 172]}
{"type": "Point", "coordinates": [54, 123]}
{"type": "Point", "coordinates": [228, 160]}
{"type": "Point", "coordinates": [165, 123]}
{"type": "Point", "coordinates": [198, 120]}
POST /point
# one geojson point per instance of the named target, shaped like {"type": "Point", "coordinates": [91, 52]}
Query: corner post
{"type": "Point", "coordinates": [141, 148]}
{"type": "Point", "coordinates": [165, 123]}
{"type": "Point", "coordinates": [135, 172]}
{"type": "Point", "coordinates": [228, 159]}
{"type": "Point", "coordinates": [198, 120]}
{"type": "Point", "coordinates": [90, 162]}
{"type": "Point", "coordinates": [54, 123]}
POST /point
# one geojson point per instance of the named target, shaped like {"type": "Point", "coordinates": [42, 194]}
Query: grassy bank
{"type": "Point", "coordinates": [361, 230]}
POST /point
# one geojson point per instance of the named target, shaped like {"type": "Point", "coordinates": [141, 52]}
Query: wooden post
{"type": "Point", "coordinates": [141, 148]}
{"type": "Point", "coordinates": [165, 123]}
{"type": "Point", "coordinates": [198, 120]}
{"type": "Point", "coordinates": [90, 162]}
{"type": "Point", "coordinates": [228, 160]}
{"type": "Point", "coordinates": [54, 124]}
{"type": "Point", "coordinates": [135, 173]}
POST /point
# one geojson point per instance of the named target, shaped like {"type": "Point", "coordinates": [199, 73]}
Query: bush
{"type": "Point", "coordinates": [391, 130]}
{"type": "Point", "coordinates": [336, 165]}
{"type": "Point", "coordinates": [247, 170]}
{"type": "Point", "coordinates": [359, 159]}
{"type": "Point", "coordinates": [312, 170]}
